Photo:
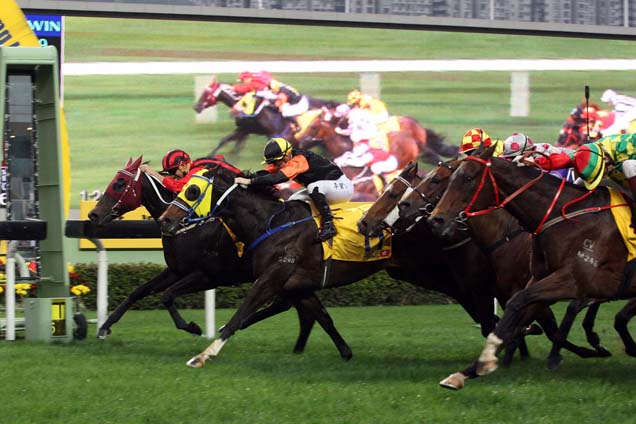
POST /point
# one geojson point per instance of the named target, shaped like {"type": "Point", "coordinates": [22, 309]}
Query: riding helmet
{"type": "Point", "coordinates": [173, 159]}
{"type": "Point", "coordinates": [473, 138]}
{"type": "Point", "coordinates": [354, 97]}
{"type": "Point", "coordinates": [589, 164]}
{"type": "Point", "coordinates": [516, 144]}
{"type": "Point", "coordinates": [276, 149]}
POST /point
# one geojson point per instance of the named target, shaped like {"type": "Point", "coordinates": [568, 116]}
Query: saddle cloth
{"type": "Point", "coordinates": [623, 217]}
{"type": "Point", "coordinates": [349, 244]}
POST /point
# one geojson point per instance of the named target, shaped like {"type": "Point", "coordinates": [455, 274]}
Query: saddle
{"type": "Point", "coordinates": [349, 244]}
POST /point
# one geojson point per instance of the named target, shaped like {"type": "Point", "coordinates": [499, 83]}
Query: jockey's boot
{"type": "Point", "coordinates": [327, 229]}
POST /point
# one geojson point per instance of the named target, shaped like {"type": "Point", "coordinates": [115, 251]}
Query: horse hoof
{"type": "Point", "coordinates": [602, 352]}
{"type": "Point", "coordinates": [196, 362]}
{"type": "Point", "coordinates": [554, 362]}
{"type": "Point", "coordinates": [103, 333]}
{"type": "Point", "coordinates": [533, 330]}
{"type": "Point", "coordinates": [346, 355]}
{"type": "Point", "coordinates": [193, 328]}
{"type": "Point", "coordinates": [485, 368]}
{"type": "Point", "coordinates": [453, 381]}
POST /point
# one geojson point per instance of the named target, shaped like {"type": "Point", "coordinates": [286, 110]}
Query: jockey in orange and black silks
{"type": "Point", "coordinates": [324, 181]}
{"type": "Point", "coordinates": [289, 102]}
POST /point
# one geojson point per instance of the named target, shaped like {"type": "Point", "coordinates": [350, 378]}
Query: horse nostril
{"type": "Point", "coordinates": [437, 221]}
{"type": "Point", "coordinates": [404, 205]}
{"type": "Point", "coordinates": [92, 216]}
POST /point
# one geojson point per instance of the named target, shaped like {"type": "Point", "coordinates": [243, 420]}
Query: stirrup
{"type": "Point", "coordinates": [327, 233]}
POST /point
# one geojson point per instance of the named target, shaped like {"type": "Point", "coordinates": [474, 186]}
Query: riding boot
{"type": "Point", "coordinates": [327, 229]}
{"type": "Point", "coordinates": [632, 189]}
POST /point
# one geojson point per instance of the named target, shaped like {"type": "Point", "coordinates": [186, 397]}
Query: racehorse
{"type": "Point", "coordinates": [583, 258]}
{"type": "Point", "coordinates": [507, 247]}
{"type": "Point", "coordinates": [287, 258]}
{"type": "Point", "coordinates": [407, 144]}
{"type": "Point", "coordinates": [216, 262]}
{"type": "Point", "coordinates": [265, 120]}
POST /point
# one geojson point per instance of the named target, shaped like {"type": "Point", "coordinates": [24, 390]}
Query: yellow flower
{"type": "Point", "coordinates": [80, 290]}
{"type": "Point", "coordinates": [1, 289]}
{"type": "Point", "coordinates": [70, 267]}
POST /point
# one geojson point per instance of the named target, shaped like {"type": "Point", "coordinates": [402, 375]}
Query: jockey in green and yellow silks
{"type": "Point", "coordinates": [613, 156]}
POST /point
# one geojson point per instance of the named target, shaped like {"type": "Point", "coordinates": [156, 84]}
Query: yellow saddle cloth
{"type": "Point", "coordinates": [349, 244]}
{"type": "Point", "coordinates": [305, 120]}
{"type": "Point", "coordinates": [623, 218]}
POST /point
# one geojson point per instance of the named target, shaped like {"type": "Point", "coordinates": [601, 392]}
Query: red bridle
{"type": "Point", "coordinates": [498, 205]}
{"type": "Point", "coordinates": [133, 186]}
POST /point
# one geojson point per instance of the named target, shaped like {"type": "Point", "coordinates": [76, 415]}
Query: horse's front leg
{"type": "Point", "coordinates": [521, 310]}
{"type": "Point", "coordinates": [165, 279]}
{"type": "Point", "coordinates": [192, 283]}
{"type": "Point", "coordinates": [233, 136]}
{"type": "Point", "coordinates": [261, 292]}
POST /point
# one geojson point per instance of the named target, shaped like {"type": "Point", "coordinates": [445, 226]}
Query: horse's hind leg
{"type": "Point", "coordinates": [312, 303]}
{"type": "Point", "coordinates": [192, 283]}
{"type": "Point", "coordinates": [165, 279]}
{"type": "Point", "coordinates": [588, 325]}
{"type": "Point", "coordinates": [620, 324]}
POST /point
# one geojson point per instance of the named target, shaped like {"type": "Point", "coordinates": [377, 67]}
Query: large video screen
{"type": "Point", "coordinates": [113, 114]}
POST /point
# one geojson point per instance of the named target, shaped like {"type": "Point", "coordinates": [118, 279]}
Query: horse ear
{"type": "Point", "coordinates": [137, 162]}
{"type": "Point", "coordinates": [213, 81]}
{"type": "Point", "coordinates": [128, 163]}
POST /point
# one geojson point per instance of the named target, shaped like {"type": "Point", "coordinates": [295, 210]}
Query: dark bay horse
{"type": "Point", "coordinates": [407, 145]}
{"type": "Point", "coordinates": [198, 259]}
{"type": "Point", "coordinates": [572, 259]}
{"type": "Point", "coordinates": [266, 119]}
{"type": "Point", "coordinates": [286, 256]}
{"type": "Point", "coordinates": [507, 246]}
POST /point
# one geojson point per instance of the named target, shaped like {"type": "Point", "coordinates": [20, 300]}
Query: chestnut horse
{"type": "Point", "coordinates": [216, 262]}
{"type": "Point", "coordinates": [572, 259]}
{"type": "Point", "coordinates": [266, 120]}
{"type": "Point", "coordinates": [287, 258]}
{"type": "Point", "coordinates": [407, 145]}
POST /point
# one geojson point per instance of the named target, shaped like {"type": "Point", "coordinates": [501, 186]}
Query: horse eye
{"type": "Point", "coordinates": [119, 185]}
{"type": "Point", "coordinates": [435, 180]}
{"type": "Point", "coordinates": [192, 193]}
{"type": "Point", "coordinates": [468, 178]}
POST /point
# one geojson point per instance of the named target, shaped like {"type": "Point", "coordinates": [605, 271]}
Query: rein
{"type": "Point", "coordinates": [544, 223]}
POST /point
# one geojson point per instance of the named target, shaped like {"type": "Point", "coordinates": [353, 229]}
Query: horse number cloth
{"type": "Point", "coordinates": [623, 218]}
{"type": "Point", "coordinates": [349, 244]}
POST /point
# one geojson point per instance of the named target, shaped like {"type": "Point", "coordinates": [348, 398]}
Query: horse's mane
{"type": "Point", "coordinates": [267, 192]}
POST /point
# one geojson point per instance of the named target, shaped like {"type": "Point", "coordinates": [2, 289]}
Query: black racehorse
{"type": "Point", "coordinates": [264, 120]}
{"type": "Point", "coordinates": [287, 257]}
{"type": "Point", "coordinates": [198, 259]}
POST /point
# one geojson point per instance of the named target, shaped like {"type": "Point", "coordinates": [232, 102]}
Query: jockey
{"type": "Point", "coordinates": [474, 137]}
{"type": "Point", "coordinates": [251, 84]}
{"type": "Point", "coordinates": [289, 102]}
{"type": "Point", "coordinates": [178, 168]}
{"type": "Point", "coordinates": [363, 133]}
{"type": "Point", "coordinates": [252, 81]}
{"type": "Point", "coordinates": [613, 156]}
{"type": "Point", "coordinates": [545, 155]}
{"type": "Point", "coordinates": [624, 111]}
{"type": "Point", "coordinates": [375, 107]}
{"type": "Point", "coordinates": [324, 181]}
